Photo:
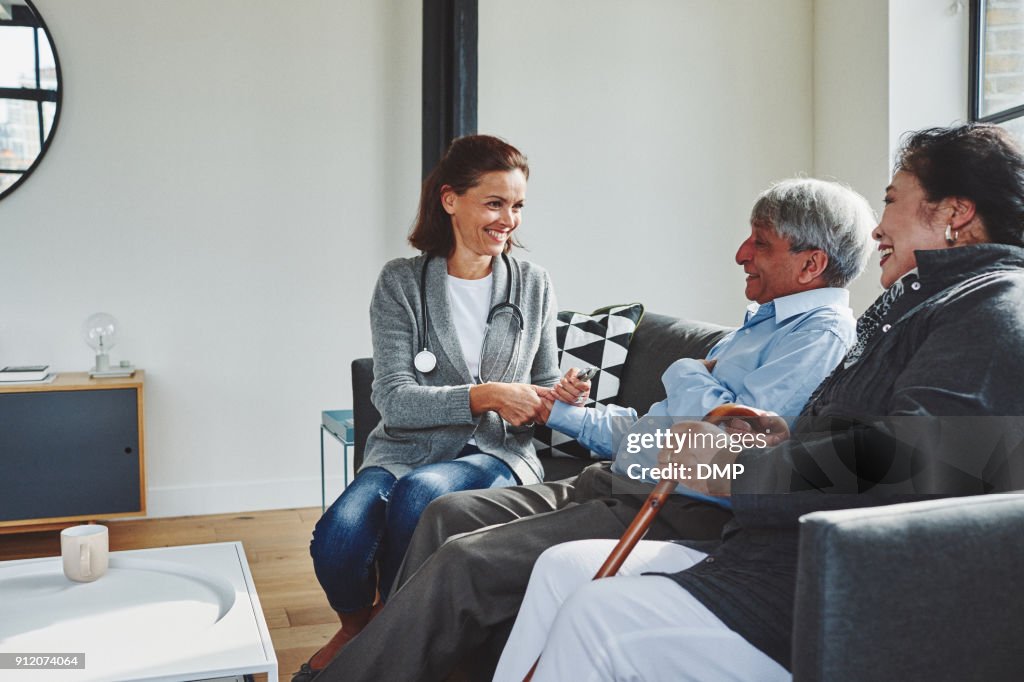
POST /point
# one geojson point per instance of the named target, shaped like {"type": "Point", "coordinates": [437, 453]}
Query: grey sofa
{"type": "Point", "coordinates": [921, 591]}
{"type": "Point", "coordinates": [659, 340]}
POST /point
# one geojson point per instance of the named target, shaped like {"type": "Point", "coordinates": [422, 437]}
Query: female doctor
{"type": "Point", "coordinates": [461, 334]}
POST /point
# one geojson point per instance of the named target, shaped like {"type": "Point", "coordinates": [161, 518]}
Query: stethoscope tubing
{"type": "Point", "coordinates": [425, 361]}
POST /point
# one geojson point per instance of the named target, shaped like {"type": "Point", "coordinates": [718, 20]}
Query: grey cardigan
{"type": "Point", "coordinates": [425, 418]}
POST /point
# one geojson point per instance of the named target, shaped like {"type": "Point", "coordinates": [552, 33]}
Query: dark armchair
{"type": "Point", "coordinates": [920, 591]}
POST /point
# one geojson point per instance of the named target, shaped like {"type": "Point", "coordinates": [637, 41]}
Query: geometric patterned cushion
{"type": "Point", "coordinates": [599, 339]}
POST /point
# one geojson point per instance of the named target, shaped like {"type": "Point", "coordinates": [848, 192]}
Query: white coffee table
{"type": "Point", "coordinates": [167, 614]}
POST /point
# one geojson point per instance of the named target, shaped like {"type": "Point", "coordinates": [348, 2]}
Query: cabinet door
{"type": "Point", "coordinates": [69, 453]}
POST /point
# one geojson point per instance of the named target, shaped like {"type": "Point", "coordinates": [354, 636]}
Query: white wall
{"type": "Point", "coordinates": [881, 68]}
{"type": "Point", "coordinates": [851, 107]}
{"type": "Point", "coordinates": [227, 179]}
{"type": "Point", "coordinates": [650, 127]}
{"type": "Point", "coordinates": [928, 65]}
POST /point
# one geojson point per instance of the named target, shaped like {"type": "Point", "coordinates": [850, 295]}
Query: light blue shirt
{"type": "Point", "coordinates": [780, 354]}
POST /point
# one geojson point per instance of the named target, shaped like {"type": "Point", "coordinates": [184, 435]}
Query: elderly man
{"type": "Point", "coordinates": [808, 240]}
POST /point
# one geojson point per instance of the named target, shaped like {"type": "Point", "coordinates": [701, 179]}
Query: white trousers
{"type": "Point", "coordinates": [629, 627]}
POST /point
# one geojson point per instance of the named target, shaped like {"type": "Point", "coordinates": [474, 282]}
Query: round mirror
{"type": "Point", "coordinates": [29, 92]}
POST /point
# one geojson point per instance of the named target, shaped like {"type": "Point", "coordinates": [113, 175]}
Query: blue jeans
{"type": "Point", "coordinates": [364, 534]}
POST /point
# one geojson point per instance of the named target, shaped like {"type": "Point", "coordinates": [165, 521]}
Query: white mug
{"type": "Point", "coordinates": [85, 551]}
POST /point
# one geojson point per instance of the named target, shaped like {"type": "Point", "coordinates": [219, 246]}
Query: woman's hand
{"type": "Point", "coordinates": [547, 401]}
{"type": "Point", "coordinates": [518, 404]}
{"type": "Point", "coordinates": [571, 390]}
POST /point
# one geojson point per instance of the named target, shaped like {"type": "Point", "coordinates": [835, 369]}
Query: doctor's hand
{"type": "Point", "coordinates": [547, 401]}
{"type": "Point", "coordinates": [518, 404]}
{"type": "Point", "coordinates": [571, 390]}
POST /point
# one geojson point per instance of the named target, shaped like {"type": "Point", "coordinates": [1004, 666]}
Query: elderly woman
{"type": "Point", "coordinates": [934, 344]}
{"type": "Point", "coordinates": [461, 334]}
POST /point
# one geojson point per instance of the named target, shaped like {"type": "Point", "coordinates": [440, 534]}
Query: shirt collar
{"type": "Point", "coordinates": [785, 307]}
{"type": "Point", "coordinates": [943, 267]}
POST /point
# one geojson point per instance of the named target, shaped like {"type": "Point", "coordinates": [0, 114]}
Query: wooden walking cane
{"type": "Point", "coordinates": [652, 506]}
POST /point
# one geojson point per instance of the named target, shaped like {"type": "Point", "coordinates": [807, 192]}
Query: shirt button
{"type": "Point", "coordinates": [746, 331]}
{"type": "Point", "coordinates": [915, 286]}
{"type": "Point", "coordinates": [710, 560]}
{"type": "Point", "coordinates": [886, 327]}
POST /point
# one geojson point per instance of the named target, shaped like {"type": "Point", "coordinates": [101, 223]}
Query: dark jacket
{"type": "Point", "coordinates": [948, 348]}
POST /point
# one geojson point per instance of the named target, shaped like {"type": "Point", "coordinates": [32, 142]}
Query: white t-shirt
{"type": "Point", "coordinates": [470, 300]}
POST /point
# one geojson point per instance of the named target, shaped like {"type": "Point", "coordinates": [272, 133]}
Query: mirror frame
{"type": "Point", "coordinates": [56, 114]}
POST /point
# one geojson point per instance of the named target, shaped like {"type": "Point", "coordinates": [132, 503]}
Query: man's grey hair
{"type": "Point", "coordinates": [820, 214]}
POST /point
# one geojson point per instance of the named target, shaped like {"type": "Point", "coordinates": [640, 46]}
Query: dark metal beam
{"type": "Point", "coordinates": [976, 45]}
{"type": "Point", "coordinates": [449, 75]}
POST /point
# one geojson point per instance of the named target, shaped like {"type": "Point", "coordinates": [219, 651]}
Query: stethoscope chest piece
{"type": "Point", "coordinates": [425, 361]}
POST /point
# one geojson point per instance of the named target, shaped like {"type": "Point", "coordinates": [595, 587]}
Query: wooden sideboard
{"type": "Point", "coordinates": [71, 451]}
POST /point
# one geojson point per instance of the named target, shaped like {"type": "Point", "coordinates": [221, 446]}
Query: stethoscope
{"type": "Point", "coordinates": [425, 361]}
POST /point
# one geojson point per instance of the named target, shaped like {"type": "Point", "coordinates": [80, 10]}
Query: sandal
{"type": "Point", "coordinates": [306, 673]}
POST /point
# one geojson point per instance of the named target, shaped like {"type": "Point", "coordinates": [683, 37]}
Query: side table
{"type": "Point", "coordinates": [341, 426]}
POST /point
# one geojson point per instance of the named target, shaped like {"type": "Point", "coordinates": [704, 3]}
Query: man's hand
{"type": "Point", "coordinates": [700, 438]}
{"type": "Point", "coordinates": [571, 390]}
{"type": "Point", "coordinates": [772, 426]}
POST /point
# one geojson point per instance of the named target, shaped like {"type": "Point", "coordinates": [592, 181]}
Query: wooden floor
{"type": "Point", "coordinates": [277, 546]}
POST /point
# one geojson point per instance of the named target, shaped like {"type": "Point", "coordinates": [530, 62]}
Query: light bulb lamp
{"type": "Point", "coordinates": [100, 332]}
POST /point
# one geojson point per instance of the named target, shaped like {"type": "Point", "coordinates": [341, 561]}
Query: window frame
{"type": "Point", "coordinates": [976, 51]}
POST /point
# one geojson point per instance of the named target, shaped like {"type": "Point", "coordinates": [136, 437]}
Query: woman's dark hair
{"type": "Point", "coordinates": [976, 161]}
{"type": "Point", "coordinates": [466, 161]}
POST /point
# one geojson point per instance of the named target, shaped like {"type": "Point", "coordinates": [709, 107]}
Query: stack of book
{"type": "Point", "coordinates": [25, 374]}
